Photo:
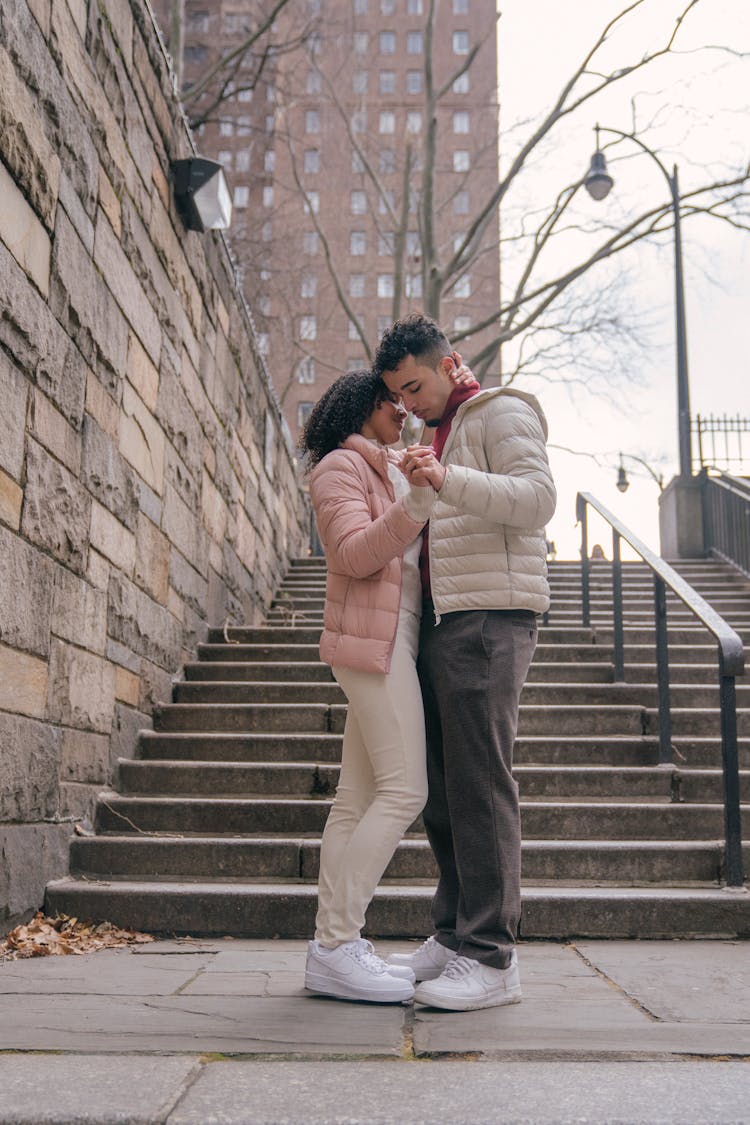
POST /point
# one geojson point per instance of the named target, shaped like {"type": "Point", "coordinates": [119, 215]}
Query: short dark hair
{"type": "Point", "coordinates": [416, 335]}
{"type": "Point", "coordinates": [342, 410]}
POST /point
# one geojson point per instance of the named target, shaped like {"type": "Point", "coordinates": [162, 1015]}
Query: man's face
{"type": "Point", "coordinates": [424, 390]}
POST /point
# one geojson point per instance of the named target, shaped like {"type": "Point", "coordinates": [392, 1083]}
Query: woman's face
{"type": "Point", "coordinates": [386, 422]}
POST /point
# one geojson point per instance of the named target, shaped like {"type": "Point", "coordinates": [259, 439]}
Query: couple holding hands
{"type": "Point", "coordinates": [436, 574]}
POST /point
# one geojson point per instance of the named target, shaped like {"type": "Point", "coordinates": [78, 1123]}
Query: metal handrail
{"type": "Point", "coordinates": [730, 651]}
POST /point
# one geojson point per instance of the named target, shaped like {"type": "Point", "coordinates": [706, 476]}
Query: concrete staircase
{"type": "Point", "coordinates": [215, 827]}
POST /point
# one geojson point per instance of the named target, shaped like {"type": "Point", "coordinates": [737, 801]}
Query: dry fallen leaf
{"type": "Point", "coordinates": [60, 936]}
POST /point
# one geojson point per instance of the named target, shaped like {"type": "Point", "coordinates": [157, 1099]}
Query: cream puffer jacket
{"type": "Point", "coordinates": [364, 531]}
{"type": "Point", "coordinates": [487, 543]}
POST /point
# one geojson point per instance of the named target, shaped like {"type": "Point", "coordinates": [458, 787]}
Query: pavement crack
{"type": "Point", "coordinates": [632, 1000]}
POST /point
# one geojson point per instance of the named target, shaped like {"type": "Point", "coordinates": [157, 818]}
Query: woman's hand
{"type": "Point", "coordinates": [421, 467]}
{"type": "Point", "coordinates": [460, 374]}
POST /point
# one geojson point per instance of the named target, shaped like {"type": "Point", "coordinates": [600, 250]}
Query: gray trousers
{"type": "Point", "coordinates": [472, 667]}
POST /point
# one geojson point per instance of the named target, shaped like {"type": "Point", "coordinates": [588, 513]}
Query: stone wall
{"type": "Point", "coordinates": [147, 485]}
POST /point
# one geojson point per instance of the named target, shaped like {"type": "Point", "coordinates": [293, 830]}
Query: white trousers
{"type": "Point", "coordinates": [382, 786]}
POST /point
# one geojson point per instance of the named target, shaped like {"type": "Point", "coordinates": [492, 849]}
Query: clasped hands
{"type": "Point", "coordinates": [419, 465]}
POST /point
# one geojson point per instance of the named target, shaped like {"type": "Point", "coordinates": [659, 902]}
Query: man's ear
{"type": "Point", "coordinates": [446, 365]}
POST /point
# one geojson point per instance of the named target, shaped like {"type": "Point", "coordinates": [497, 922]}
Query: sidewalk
{"type": "Point", "coordinates": [222, 1031]}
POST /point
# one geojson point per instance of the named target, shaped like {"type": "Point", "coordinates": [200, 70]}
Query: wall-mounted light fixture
{"type": "Point", "coordinates": [201, 194]}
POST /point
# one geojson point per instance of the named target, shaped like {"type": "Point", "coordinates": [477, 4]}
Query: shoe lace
{"type": "Point", "coordinates": [364, 953]}
{"type": "Point", "coordinates": [459, 967]}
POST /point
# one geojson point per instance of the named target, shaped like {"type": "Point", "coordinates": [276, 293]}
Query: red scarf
{"type": "Point", "coordinates": [458, 395]}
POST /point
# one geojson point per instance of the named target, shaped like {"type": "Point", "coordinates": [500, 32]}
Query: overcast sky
{"type": "Point", "coordinates": [702, 101]}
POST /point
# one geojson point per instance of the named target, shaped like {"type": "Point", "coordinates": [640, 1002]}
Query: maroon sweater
{"type": "Point", "coordinates": [458, 395]}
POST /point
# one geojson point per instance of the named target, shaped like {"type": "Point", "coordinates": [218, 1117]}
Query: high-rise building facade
{"type": "Point", "coordinates": [360, 141]}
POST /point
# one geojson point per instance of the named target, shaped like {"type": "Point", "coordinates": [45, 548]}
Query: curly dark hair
{"type": "Point", "coordinates": [416, 335]}
{"type": "Point", "coordinates": [340, 411]}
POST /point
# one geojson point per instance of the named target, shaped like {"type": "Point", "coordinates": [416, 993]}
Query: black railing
{"type": "Point", "coordinates": [726, 519]}
{"type": "Point", "coordinates": [730, 652]}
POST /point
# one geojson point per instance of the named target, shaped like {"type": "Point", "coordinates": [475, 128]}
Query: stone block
{"type": "Point", "coordinates": [14, 396]}
{"type": "Point", "coordinates": [127, 687]}
{"type": "Point", "coordinates": [23, 683]}
{"type": "Point", "coordinates": [102, 407]}
{"type": "Point", "coordinates": [51, 430]}
{"type": "Point", "coordinates": [170, 247]}
{"type": "Point", "coordinates": [155, 686]}
{"type": "Point", "coordinates": [30, 856]}
{"type": "Point", "coordinates": [125, 731]}
{"type": "Point", "coordinates": [27, 152]}
{"type": "Point", "coordinates": [191, 586]}
{"type": "Point", "coordinates": [245, 542]}
{"type": "Point", "coordinates": [78, 800]}
{"type": "Point", "coordinates": [84, 757]}
{"type": "Point", "coordinates": [142, 373]}
{"type": "Point", "coordinates": [148, 268]}
{"type": "Point", "coordinates": [149, 503]}
{"type": "Point", "coordinates": [71, 202]}
{"type": "Point", "coordinates": [136, 621]}
{"type": "Point", "coordinates": [81, 691]}
{"type": "Point", "coordinates": [23, 233]}
{"type": "Point", "coordinates": [83, 304]}
{"type": "Point", "coordinates": [98, 570]}
{"type": "Point", "coordinates": [177, 416]}
{"type": "Point", "coordinates": [11, 499]}
{"type": "Point", "coordinates": [123, 657]}
{"type": "Point", "coordinates": [107, 475]}
{"type": "Point", "coordinates": [182, 480]}
{"type": "Point", "coordinates": [142, 440]}
{"type": "Point", "coordinates": [126, 288]}
{"type": "Point", "coordinates": [32, 336]}
{"type": "Point", "coordinates": [40, 9]}
{"type": "Point", "coordinates": [152, 560]}
{"type": "Point", "coordinates": [25, 595]}
{"type": "Point", "coordinates": [112, 539]}
{"type": "Point", "coordinates": [109, 202]}
{"type": "Point", "coordinates": [214, 510]}
{"type": "Point", "coordinates": [79, 611]}
{"type": "Point", "coordinates": [184, 530]}
{"type": "Point", "coordinates": [57, 510]}
{"type": "Point", "coordinates": [29, 762]}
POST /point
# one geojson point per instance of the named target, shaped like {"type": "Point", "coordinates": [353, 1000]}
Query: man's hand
{"type": "Point", "coordinates": [421, 467]}
{"type": "Point", "coordinates": [460, 374]}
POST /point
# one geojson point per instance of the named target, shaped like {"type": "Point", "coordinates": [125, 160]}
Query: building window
{"type": "Point", "coordinates": [310, 242]}
{"type": "Point", "coordinates": [384, 201]}
{"type": "Point", "coordinates": [414, 121]}
{"type": "Point", "coordinates": [304, 410]}
{"type": "Point", "coordinates": [462, 324]}
{"type": "Point", "coordinates": [270, 123]}
{"type": "Point", "coordinates": [386, 161]}
{"type": "Point", "coordinates": [461, 85]}
{"type": "Point", "coordinates": [266, 231]}
{"type": "Point", "coordinates": [351, 331]}
{"type": "Point", "coordinates": [387, 121]}
{"type": "Point", "coordinates": [268, 196]}
{"type": "Point", "coordinates": [356, 363]}
{"type": "Point", "coordinates": [244, 126]}
{"type": "Point", "coordinates": [358, 203]}
{"type": "Point", "coordinates": [306, 370]}
{"type": "Point", "coordinates": [386, 243]}
{"type": "Point", "coordinates": [245, 94]}
{"type": "Point", "coordinates": [387, 81]}
{"type": "Point", "coordinates": [414, 81]}
{"type": "Point", "coordinates": [462, 288]}
{"type": "Point", "coordinates": [414, 43]}
{"type": "Point", "coordinates": [264, 306]}
{"type": "Point", "coordinates": [385, 285]}
{"type": "Point", "coordinates": [312, 160]}
{"type": "Point", "coordinates": [361, 39]}
{"type": "Point", "coordinates": [414, 7]}
{"type": "Point", "coordinates": [226, 128]}
{"type": "Point", "coordinates": [460, 7]}
{"type": "Point", "coordinates": [360, 7]}
{"type": "Point", "coordinates": [387, 7]}
{"type": "Point", "coordinates": [413, 285]}
{"type": "Point", "coordinates": [263, 343]}
{"type": "Point", "coordinates": [461, 121]}
{"type": "Point", "coordinates": [241, 196]}
{"type": "Point", "coordinates": [270, 93]}
{"type": "Point", "coordinates": [413, 244]}
{"type": "Point", "coordinates": [460, 160]}
{"type": "Point", "coordinates": [225, 157]}
{"type": "Point", "coordinates": [312, 121]}
{"type": "Point", "coordinates": [460, 42]}
{"type": "Point", "coordinates": [197, 22]}
{"type": "Point", "coordinates": [308, 328]}
{"type": "Point", "coordinates": [314, 82]}
{"type": "Point", "coordinates": [461, 203]}
{"type": "Point", "coordinates": [312, 202]}
{"type": "Point", "coordinates": [197, 54]}
{"type": "Point", "coordinates": [358, 164]}
{"type": "Point", "coordinates": [308, 285]}
{"type": "Point", "coordinates": [356, 285]}
{"type": "Point", "coordinates": [242, 160]}
{"type": "Point", "coordinates": [384, 323]}
{"type": "Point", "coordinates": [359, 121]}
{"type": "Point", "coordinates": [359, 82]}
{"type": "Point", "coordinates": [357, 243]}
{"type": "Point", "coordinates": [387, 42]}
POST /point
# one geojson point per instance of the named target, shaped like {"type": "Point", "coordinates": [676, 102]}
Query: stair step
{"type": "Point", "coordinates": [287, 747]}
{"type": "Point", "coordinates": [258, 910]}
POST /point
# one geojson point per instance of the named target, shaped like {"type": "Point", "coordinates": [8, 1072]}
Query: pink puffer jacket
{"type": "Point", "coordinates": [364, 531]}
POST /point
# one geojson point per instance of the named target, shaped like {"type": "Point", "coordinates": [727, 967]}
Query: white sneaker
{"type": "Point", "coordinates": [466, 985]}
{"type": "Point", "coordinates": [352, 971]}
{"type": "Point", "coordinates": [427, 962]}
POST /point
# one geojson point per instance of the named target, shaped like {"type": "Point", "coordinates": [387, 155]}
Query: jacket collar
{"type": "Point", "coordinates": [377, 456]}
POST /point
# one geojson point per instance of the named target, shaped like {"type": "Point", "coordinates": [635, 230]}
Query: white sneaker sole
{"type": "Point", "coordinates": [465, 1003]}
{"type": "Point", "coordinates": [326, 986]}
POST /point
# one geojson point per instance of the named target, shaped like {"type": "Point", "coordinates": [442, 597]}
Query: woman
{"type": "Point", "coordinates": [370, 521]}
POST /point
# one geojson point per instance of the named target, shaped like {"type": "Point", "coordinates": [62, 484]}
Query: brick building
{"type": "Point", "coordinates": [344, 204]}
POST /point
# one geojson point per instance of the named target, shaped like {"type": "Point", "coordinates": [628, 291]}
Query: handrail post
{"type": "Point", "coordinates": [617, 609]}
{"type": "Point", "coordinates": [732, 820]}
{"type": "Point", "coordinates": [662, 666]}
{"type": "Point", "coordinates": [582, 515]}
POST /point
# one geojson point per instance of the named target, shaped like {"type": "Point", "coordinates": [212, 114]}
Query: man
{"type": "Point", "coordinates": [484, 583]}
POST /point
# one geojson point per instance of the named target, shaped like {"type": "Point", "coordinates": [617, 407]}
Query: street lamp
{"type": "Point", "coordinates": [598, 184]}
{"type": "Point", "coordinates": [623, 484]}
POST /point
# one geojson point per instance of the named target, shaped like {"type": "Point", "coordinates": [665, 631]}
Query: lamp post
{"type": "Point", "coordinates": [599, 183]}
{"type": "Point", "coordinates": [623, 484]}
